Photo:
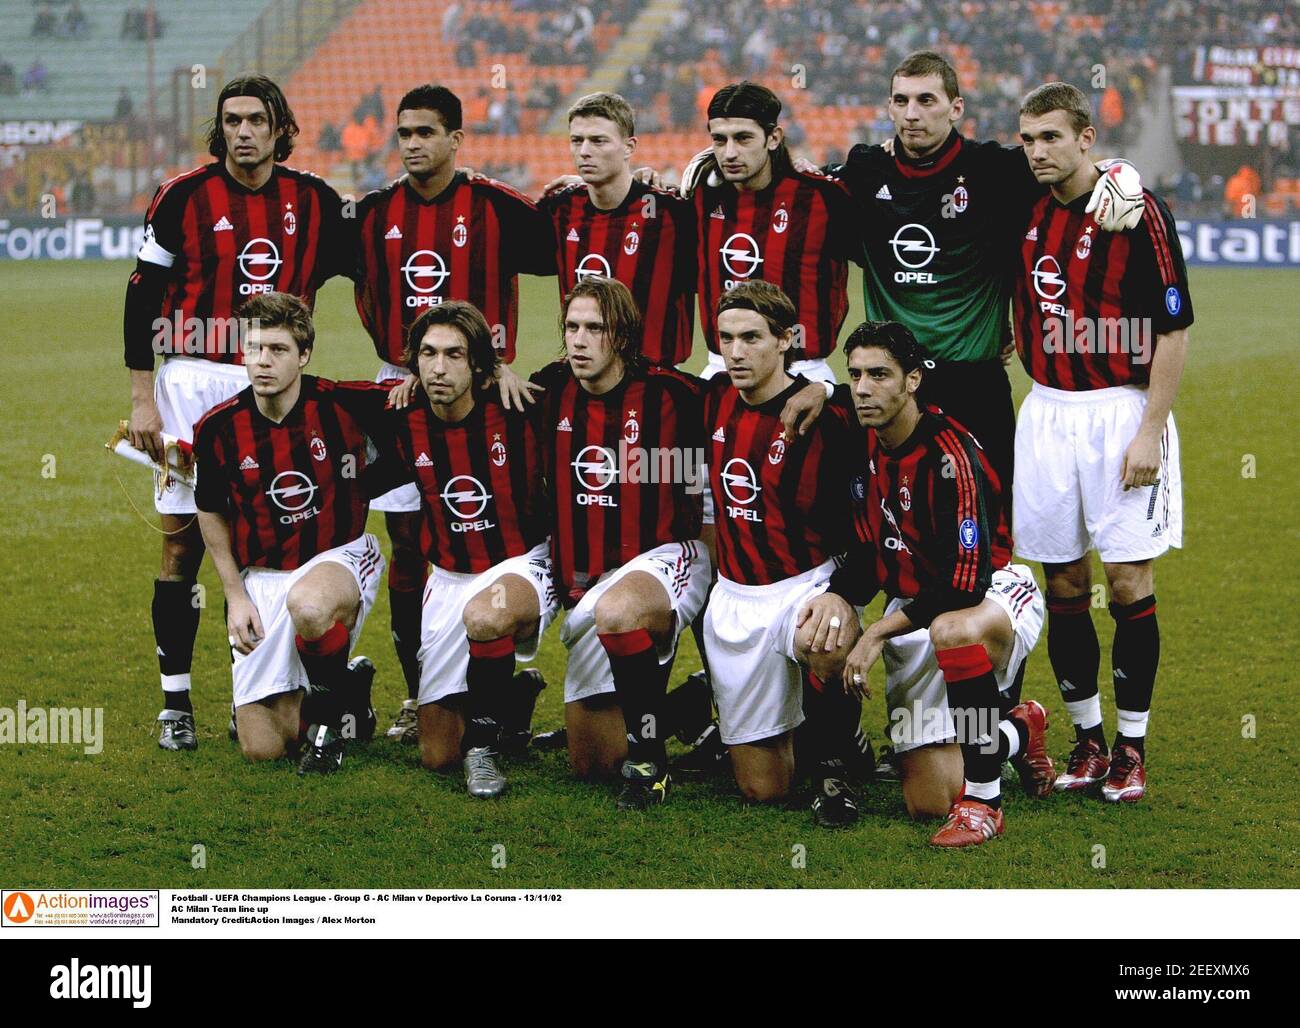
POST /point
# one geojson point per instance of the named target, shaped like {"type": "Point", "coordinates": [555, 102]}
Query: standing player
{"type": "Point", "coordinates": [942, 213]}
{"type": "Point", "coordinates": [766, 221]}
{"type": "Point", "coordinates": [624, 445]}
{"type": "Point", "coordinates": [478, 467]}
{"type": "Point", "coordinates": [614, 226]}
{"type": "Point", "coordinates": [241, 226]}
{"type": "Point", "coordinates": [782, 519]}
{"type": "Point", "coordinates": [438, 234]}
{"type": "Point", "coordinates": [1101, 326]}
{"type": "Point", "coordinates": [960, 618]}
{"type": "Point", "coordinates": [281, 486]}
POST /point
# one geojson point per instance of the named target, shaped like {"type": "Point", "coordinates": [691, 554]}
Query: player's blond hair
{"type": "Point", "coordinates": [609, 106]}
{"type": "Point", "coordinates": [278, 310]}
{"type": "Point", "coordinates": [1059, 96]}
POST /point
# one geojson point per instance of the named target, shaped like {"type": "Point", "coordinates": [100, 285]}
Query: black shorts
{"type": "Point", "coordinates": [977, 394]}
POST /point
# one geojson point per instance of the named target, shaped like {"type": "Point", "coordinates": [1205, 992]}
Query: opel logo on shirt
{"type": "Point", "coordinates": [259, 260]}
{"type": "Point", "coordinates": [595, 467]}
{"type": "Point", "coordinates": [592, 266]}
{"type": "Point", "coordinates": [913, 245]}
{"type": "Point", "coordinates": [739, 481]}
{"type": "Point", "coordinates": [425, 271]}
{"type": "Point", "coordinates": [1048, 282]}
{"type": "Point", "coordinates": [292, 490]}
{"type": "Point", "coordinates": [465, 496]}
{"type": "Point", "coordinates": [740, 255]}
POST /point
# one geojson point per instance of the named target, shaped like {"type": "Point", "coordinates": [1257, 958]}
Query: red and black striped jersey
{"type": "Point", "coordinates": [470, 242]}
{"type": "Point", "coordinates": [297, 488]}
{"type": "Point", "coordinates": [1089, 304]}
{"type": "Point", "coordinates": [481, 482]}
{"type": "Point", "coordinates": [624, 470]}
{"type": "Point", "coordinates": [780, 508]}
{"type": "Point", "coordinates": [221, 242]}
{"type": "Point", "coordinates": [928, 519]}
{"type": "Point", "coordinates": [799, 233]}
{"type": "Point", "coordinates": [648, 243]}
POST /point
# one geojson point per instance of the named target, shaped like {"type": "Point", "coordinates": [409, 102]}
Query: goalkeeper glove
{"type": "Point", "coordinates": [1117, 202]}
{"type": "Point", "coordinates": [702, 169]}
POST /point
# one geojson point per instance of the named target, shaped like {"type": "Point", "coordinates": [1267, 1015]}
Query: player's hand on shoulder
{"type": "Point", "coordinates": [144, 430]}
{"type": "Point", "coordinates": [403, 394]}
{"type": "Point", "coordinates": [243, 623]}
{"type": "Point", "coordinates": [561, 182]}
{"type": "Point", "coordinates": [1117, 202]}
{"type": "Point", "coordinates": [648, 177]}
{"type": "Point", "coordinates": [802, 410]}
{"type": "Point", "coordinates": [516, 392]}
{"type": "Point", "coordinates": [888, 146]}
{"type": "Point", "coordinates": [802, 164]}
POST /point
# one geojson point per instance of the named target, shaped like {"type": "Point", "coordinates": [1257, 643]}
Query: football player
{"type": "Point", "coordinates": [478, 466]}
{"type": "Point", "coordinates": [435, 234]}
{"type": "Point", "coordinates": [1101, 325]}
{"type": "Point", "coordinates": [960, 617]}
{"type": "Point", "coordinates": [781, 520]}
{"type": "Point", "coordinates": [239, 227]}
{"type": "Point", "coordinates": [623, 442]}
{"type": "Point", "coordinates": [281, 492]}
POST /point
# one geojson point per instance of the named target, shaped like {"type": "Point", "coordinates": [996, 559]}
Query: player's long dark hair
{"type": "Point", "coordinates": [466, 319]}
{"type": "Point", "coordinates": [262, 88]}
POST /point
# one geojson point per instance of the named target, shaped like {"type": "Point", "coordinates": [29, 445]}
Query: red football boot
{"type": "Point", "coordinates": [1127, 780]}
{"type": "Point", "coordinates": [1035, 767]}
{"type": "Point", "coordinates": [1087, 766]}
{"type": "Point", "coordinates": [969, 823]}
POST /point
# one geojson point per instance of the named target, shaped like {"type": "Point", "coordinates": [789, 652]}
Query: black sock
{"type": "Point", "coordinates": [973, 700]}
{"type": "Point", "coordinates": [326, 662]}
{"type": "Point", "coordinates": [1011, 698]}
{"type": "Point", "coordinates": [1075, 656]}
{"type": "Point", "coordinates": [520, 701]}
{"type": "Point", "coordinates": [1134, 657]}
{"type": "Point", "coordinates": [487, 680]}
{"type": "Point", "coordinates": [829, 737]}
{"type": "Point", "coordinates": [404, 617]}
{"type": "Point", "coordinates": [175, 624]}
{"type": "Point", "coordinates": [640, 684]}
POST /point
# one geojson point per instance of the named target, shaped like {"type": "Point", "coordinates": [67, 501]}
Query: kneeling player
{"type": "Point", "coordinates": [282, 508]}
{"type": "Point", "coordinates": [960, 618]}
{"type": "Point", "coordinates": [623, 446]}
{"type": "Point", "coordinates": [489, 597]}
{"type": "Point", "coordinates": [782, 517]}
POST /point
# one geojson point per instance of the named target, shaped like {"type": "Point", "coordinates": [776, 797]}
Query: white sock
{"type": "Point", "coordinates": [983, 790]}
{"type": "Point", "coordinates": [1085, 713]}
{"type": "Point", "coordinates": [1133, 723]}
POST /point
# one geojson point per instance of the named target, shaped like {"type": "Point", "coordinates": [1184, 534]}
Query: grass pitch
{"type": "Point", "coordinates": [74, 621]}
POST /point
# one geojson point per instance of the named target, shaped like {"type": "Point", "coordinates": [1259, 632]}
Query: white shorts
{"type": "Point", "coordinates": [749, 636]}
{"type": "Point", "coordinates": [274, 666]}
{"type": "Point", "coordinates": [1068, 494]}
{"type": "Point", "coordinates": [683, 569]}
{"type": "Point", "coordinates": [444, 647]}
{"type": "Point", "coordinates": [915, 692]}
{"type": "Point", "coordinates": [815, 371]}
{"type": "Point", "coordinates": [405, 498]}
{"type": "Point", "coordinates": [185, 389]}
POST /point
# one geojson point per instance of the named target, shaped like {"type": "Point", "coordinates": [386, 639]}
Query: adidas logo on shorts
{"type": "Point", "coordinates": [423, 460]}
{"type": "Point", "coordinates": [393, 233]}
{"type": "Point", "coordinates": [248, 464]}
{"type": "Point", "coordinates": [564, 426]}
{"type": "Point", "coordinates": [883, 193]}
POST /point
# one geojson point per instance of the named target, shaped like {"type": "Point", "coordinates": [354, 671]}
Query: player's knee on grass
{"type": "Point", "coordinates": [268, 730]}
{"type": "Point", "coordinates": [597, 736]}
{"type": "Point", "coordinates": [764, 770]}
{"type": "Point", "coordinates": [441, 728]}
{"type": "Point", "coordinates": [636, 601]}
{"type": "Point", "coordinates": [932, 779]}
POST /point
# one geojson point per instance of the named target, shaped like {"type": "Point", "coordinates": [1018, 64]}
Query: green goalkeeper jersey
{"type": "Point", "coordinates": [940, 238]}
